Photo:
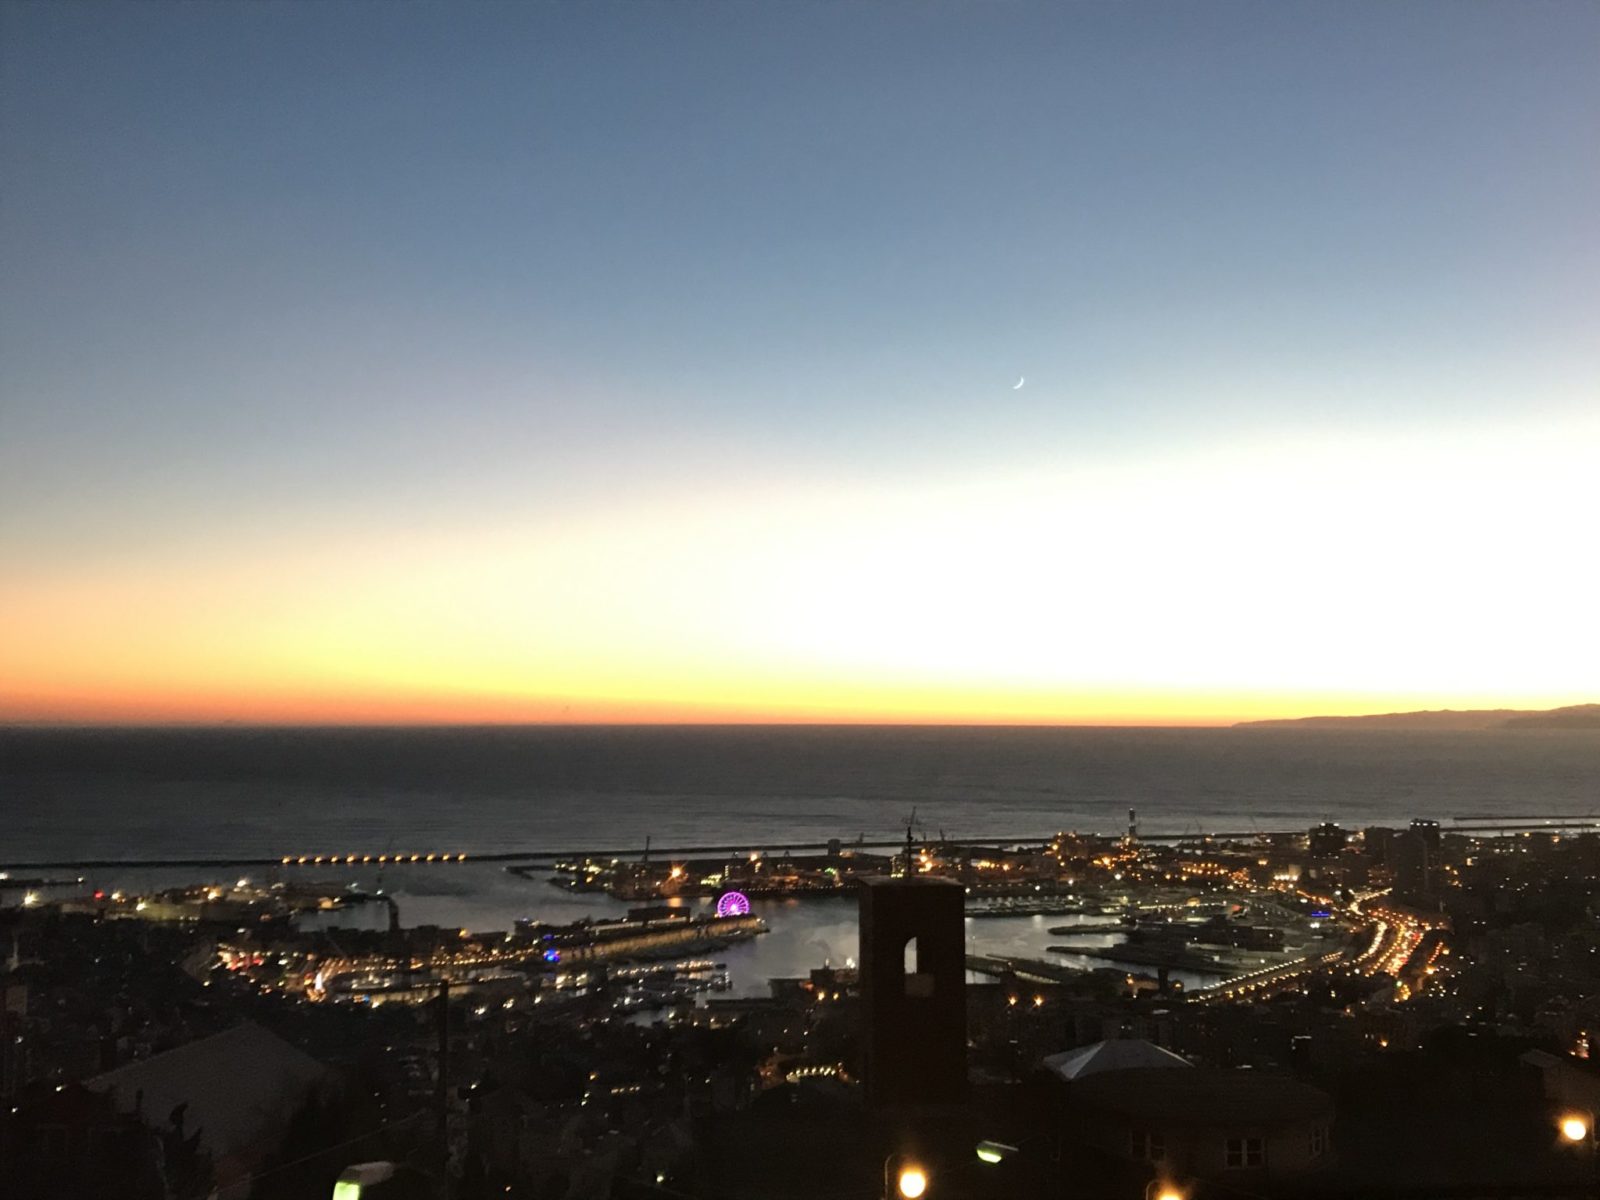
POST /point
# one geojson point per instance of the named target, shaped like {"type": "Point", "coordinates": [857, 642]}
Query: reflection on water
{"type": "Point", "coordinates": [803, 934]}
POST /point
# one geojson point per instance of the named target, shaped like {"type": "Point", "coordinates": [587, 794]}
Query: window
{"type": "Point", "coordinates": [1147, 1145]}
{"type": "Point", "coordinates": [1319, 1140]}
{"type": "Point", "coordinates": [1246, 1152]}
{"type": "Point", "coordinates": [918, 984]}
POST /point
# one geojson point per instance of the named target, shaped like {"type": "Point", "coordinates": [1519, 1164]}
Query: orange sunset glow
{"type": "Point", "coordinates": [1062, 592]}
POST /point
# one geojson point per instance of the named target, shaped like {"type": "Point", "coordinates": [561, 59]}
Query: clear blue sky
{"type": "Point", "coordinates": [277, 273]}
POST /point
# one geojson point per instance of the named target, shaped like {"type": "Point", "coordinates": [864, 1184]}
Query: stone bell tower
{"type": "Point", "coordinates": [913, 991]}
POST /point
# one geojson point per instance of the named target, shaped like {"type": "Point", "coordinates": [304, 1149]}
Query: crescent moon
{"type": "Point", "coordinates": [1017, 386]}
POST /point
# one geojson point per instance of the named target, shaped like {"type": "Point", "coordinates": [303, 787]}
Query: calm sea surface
{"type": "Point", "coordinates": [131, 794]}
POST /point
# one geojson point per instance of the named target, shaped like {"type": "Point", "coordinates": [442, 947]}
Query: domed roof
{"type": "Point", "coordinates": [1121, 1054]}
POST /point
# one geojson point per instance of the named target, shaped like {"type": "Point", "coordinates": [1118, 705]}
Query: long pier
{"type": "Point", "coordinates": [534, 857]}
{"type": "Point", "coordinates": [1031, 970]}
{"type": "Point", "coordinates": [1473, 825]}
{"type": "Point", "coordinates": [497, 856]}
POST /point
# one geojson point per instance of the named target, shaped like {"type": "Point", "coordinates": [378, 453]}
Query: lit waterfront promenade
{"type": "Point", "coordinates": [1475, 826]}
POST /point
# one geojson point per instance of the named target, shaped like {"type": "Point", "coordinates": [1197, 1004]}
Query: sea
{"type": "Point", "coordinates": [126, 795]}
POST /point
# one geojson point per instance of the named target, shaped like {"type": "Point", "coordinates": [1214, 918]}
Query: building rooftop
{"type": "Point", "coordinates": [1120, 1054]}
{"type": "Point", "coordinates": [905, 881]}
{"type": "Point", "coordinates": [239, 1087]}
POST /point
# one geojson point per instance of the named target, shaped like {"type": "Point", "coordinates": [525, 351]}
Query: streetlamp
{"type": "Point", "coordinates": [995, 1152]}
{"type": "Point", "coordinates": [352, 1180]}
{"type": "Point", "coordinates": [1577, 1129]}
{"type": "Point", "coordinates": [909, 1181]}
{"type": "Point", "coordinates": [1161, 1189]}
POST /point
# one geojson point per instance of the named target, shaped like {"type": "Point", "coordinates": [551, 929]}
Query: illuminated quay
{"type": "Point", "coordinates": [409, 965]}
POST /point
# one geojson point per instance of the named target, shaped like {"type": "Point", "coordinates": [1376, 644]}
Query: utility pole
{"type": "Point", "coordinates": [13, 1055]}
{"type": "Point", "coordinates": [907, 870]}
{"type": "Point", "coordinates": [441, 1091]}
{"type": "Point", "coordinates": [7, 1073]}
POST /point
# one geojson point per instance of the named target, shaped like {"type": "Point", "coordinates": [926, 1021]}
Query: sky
{"type": "Point", "coordinates": [660, 361]}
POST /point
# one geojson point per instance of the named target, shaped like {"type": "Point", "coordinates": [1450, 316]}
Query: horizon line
{"type": "Point", "coordinates": [262, 725]}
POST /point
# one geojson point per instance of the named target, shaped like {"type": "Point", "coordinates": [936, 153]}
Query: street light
{"type": "Point", "coordinates": [1577, 1129]}
{"type": "Point", "coordinates": [1160, 1189]}
{"type": "Point", "coordinates": [995, 1152]}
{"type": "Point", "coordinates": [353, 1179]}
{"type": "Point", "coordinates": [910, 1180]}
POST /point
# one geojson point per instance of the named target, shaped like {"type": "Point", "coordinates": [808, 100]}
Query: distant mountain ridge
{"type": "Point", "coordinates": [1573, 716]}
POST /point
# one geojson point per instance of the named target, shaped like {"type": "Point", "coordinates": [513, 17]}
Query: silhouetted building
{"type": "Point", "coordinates": [1415, 867]}
{"type": "Point", "coordinates": [1241, 1127]}
{"type": "Point", "coordinates": [1326, 841]}
{"type": "Point", "coordinates": [1428, 831]}
{"type": "Point", "coordinates": [913, 990]}
{"type": "Point", "coordinates": [1379, 843]}
{"type": "Point", "coordinates": [238, 1090]}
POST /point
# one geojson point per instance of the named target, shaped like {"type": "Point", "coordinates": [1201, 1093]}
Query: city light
{"type": "Point", "coordinates": [1574, 1128]}
{"type": "Point", "coordinates": [911, 1182]}
{"type": "Point", "coordinates": [994, 1152]}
